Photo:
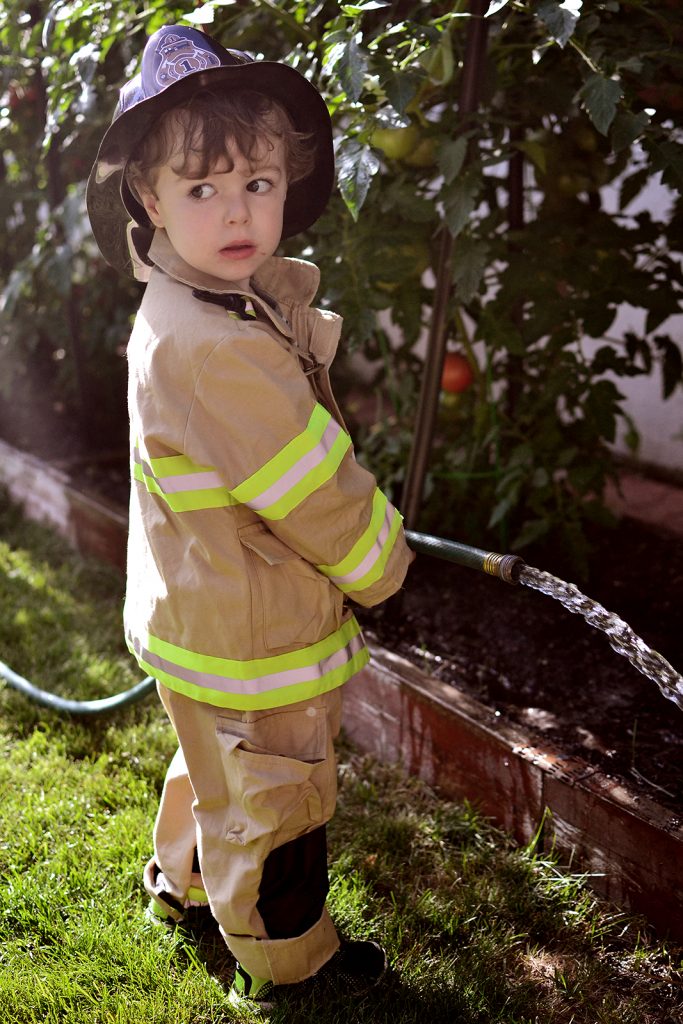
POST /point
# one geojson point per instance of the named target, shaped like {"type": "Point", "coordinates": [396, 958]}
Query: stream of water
{"type": "Point", "coordinates": [620, 635]}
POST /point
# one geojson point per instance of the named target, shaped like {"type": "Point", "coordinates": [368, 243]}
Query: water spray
{"type": "Point", "coordinates": [513, 569]}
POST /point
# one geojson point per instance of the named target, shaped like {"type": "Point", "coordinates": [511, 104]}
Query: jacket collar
{"type": "Point", "coordinates": [289, 281]}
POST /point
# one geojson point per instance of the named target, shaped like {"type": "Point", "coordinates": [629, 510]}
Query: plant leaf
{"type": "Point", "coordinates": [627, 128]}
{"type": "Point", "coordinates": [668, 157]}
{"type": "Point", "coordinates": [535, 151]}
{"type": "Point", "coordinates": [560, 18]}
{"type": "Point", "coordinates": [351, 67]}
{"type": "Point", "coordinates": [631, 435]}
{"type": "Point", "coordinates": [400, 89]}
{"type": "Point", "coordinates": [600, 96]}
{"type": "Point", "coordinates": [368, 5]}
{"type": "Point", "coordinates": [632, 186]}
{"type": "Point", "coordinates": [601, 405]}
{"type": "Point", "coordinates": [356, 167]}
{"type": "Point", "coordinates": [470, 259]}
{"type": "Point", "coordinates": [506, 503]}
{"type": "Point", "coordinates": [451, 158]}
{"type": "Point", "coordinates": [672, 364]}
{"type": "Point", "coordinates": [460, 201]}
{"type": "Point", "coordinates": [495, 6]}
{"type": "Point", "coordinates": [532, 530]}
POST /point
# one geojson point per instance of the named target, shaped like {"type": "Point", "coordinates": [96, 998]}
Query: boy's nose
{"type": "Point", "coordinates": [235, 211]}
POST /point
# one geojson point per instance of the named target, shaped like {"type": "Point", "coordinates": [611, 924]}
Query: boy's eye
{"type": "Point", "coordinates": [259, 185]}
{"type": "Point", "coordinates": [203, 191]}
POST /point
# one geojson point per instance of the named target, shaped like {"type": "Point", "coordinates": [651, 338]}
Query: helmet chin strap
{"type": "Point", "coordinates": [139, 241]}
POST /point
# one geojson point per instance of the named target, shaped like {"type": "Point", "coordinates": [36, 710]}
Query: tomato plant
{"type": "Point", "coordinates": [582, 94]}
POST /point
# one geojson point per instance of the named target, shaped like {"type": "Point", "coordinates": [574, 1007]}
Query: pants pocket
{"type": "Point", "coordinates": [281, 774]}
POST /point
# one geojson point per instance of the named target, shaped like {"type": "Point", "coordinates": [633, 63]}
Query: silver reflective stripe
{"type": "Point", "coordinates": [259, 684]}
{"type": "Point", "coordinates": [184, 482]}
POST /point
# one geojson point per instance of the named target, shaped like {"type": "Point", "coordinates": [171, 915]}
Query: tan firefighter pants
{"type": "Point", "coordinates": [241, 785]}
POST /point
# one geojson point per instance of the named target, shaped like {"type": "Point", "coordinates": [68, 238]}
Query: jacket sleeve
{"type": "Point", "coordinates": [255, 421]}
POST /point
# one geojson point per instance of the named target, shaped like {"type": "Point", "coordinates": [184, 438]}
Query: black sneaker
{"type": "Point", "coordinates": [355, 968]}
{"type": "Point", "coordinates": [247, 988]}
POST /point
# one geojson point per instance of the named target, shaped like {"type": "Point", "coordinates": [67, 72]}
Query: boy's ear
{"type": "Point", "coordinates": [150, 203]}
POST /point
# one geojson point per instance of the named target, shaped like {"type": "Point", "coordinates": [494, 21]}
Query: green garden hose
{"type": "Point", "coordinates": [505, 567]}
{"type": "Point", "coordinates": [104, 706]}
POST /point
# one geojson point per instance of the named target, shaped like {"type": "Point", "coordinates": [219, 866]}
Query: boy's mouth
{"type": "Point", "coordinates": [239, 250]}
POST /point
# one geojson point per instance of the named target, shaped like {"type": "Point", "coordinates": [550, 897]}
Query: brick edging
{"type": "Point", "coordinates": [630, 847]}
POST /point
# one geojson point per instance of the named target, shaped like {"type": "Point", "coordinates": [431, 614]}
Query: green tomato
{"type": "Point", "coordinates": [396, 143]}
{"type": "Point", "coordinates": [424, 155]}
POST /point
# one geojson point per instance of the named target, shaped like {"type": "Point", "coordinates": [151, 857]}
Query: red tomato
{"type": "Point", "coordinates": [457, 373]}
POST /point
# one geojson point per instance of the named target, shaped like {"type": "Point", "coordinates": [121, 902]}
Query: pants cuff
{"type": "Point", "coordinates": [170, 906]}
{"type": "Point", "coordinates": [287, 961]}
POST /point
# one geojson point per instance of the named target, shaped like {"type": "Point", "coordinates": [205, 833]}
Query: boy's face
{"type": "Point", "coordinates": [228, 223]}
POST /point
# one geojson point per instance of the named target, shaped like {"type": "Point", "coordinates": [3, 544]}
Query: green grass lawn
{"type": "Point", "coordinates": [478, 930]}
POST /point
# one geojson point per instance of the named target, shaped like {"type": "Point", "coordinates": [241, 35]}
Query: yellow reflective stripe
{"type": "Point", "coordinates": [261, 682]}
{"type": "Point", "coordinates": [304, 464]}
{"type": "Point", "coordinates": [314, 479]}
{"type": "Point", "coordinates": [257, 667]}
{"type": "Point", "coordinates": [265, 699]}
{"type": "Point", "coordinates": [363, 547]}
{"type": "Point", "coordinates": [377, 570]}
{"type": "Point", "coordinates": [286, 458]}
{"type": "Point", "coordinates": [185, 501]}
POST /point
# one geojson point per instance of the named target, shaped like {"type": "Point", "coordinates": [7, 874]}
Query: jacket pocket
{"type": "Point", "coordinates": [293, 605]}
{"type": "Point", "coordinates": [281, 774]}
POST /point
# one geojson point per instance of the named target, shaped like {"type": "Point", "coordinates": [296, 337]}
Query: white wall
{"type": "Point", "coordinates": [658, 421]}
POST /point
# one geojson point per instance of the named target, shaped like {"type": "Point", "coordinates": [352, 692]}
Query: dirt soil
{"type": "Point", "coordinates": [524, 656]}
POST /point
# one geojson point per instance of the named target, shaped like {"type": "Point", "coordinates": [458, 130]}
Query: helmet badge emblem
{"type": "Point", "coordinates": [180, 57]}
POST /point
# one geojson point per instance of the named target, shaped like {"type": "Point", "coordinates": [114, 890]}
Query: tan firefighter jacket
{"type": "Point", "coordinates": [250, 520]}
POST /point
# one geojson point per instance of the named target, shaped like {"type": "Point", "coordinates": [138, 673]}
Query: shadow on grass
{"type": "Point", "coordinates": [391, 1002]}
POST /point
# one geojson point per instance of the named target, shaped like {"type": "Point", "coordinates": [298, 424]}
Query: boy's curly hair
{"type": "Point", "coordinates": [207, 123]}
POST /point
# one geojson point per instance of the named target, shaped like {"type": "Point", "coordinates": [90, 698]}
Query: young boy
{"type": "Point", "coordinates": [250, 520]}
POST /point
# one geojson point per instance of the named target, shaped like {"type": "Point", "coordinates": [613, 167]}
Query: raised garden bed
{"type": "Point", "coordinates": [618, 830]}
{"type": "Point", "coordinates": [92, 524]}
{"type": "Point", "coordinates": [630, 846]}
